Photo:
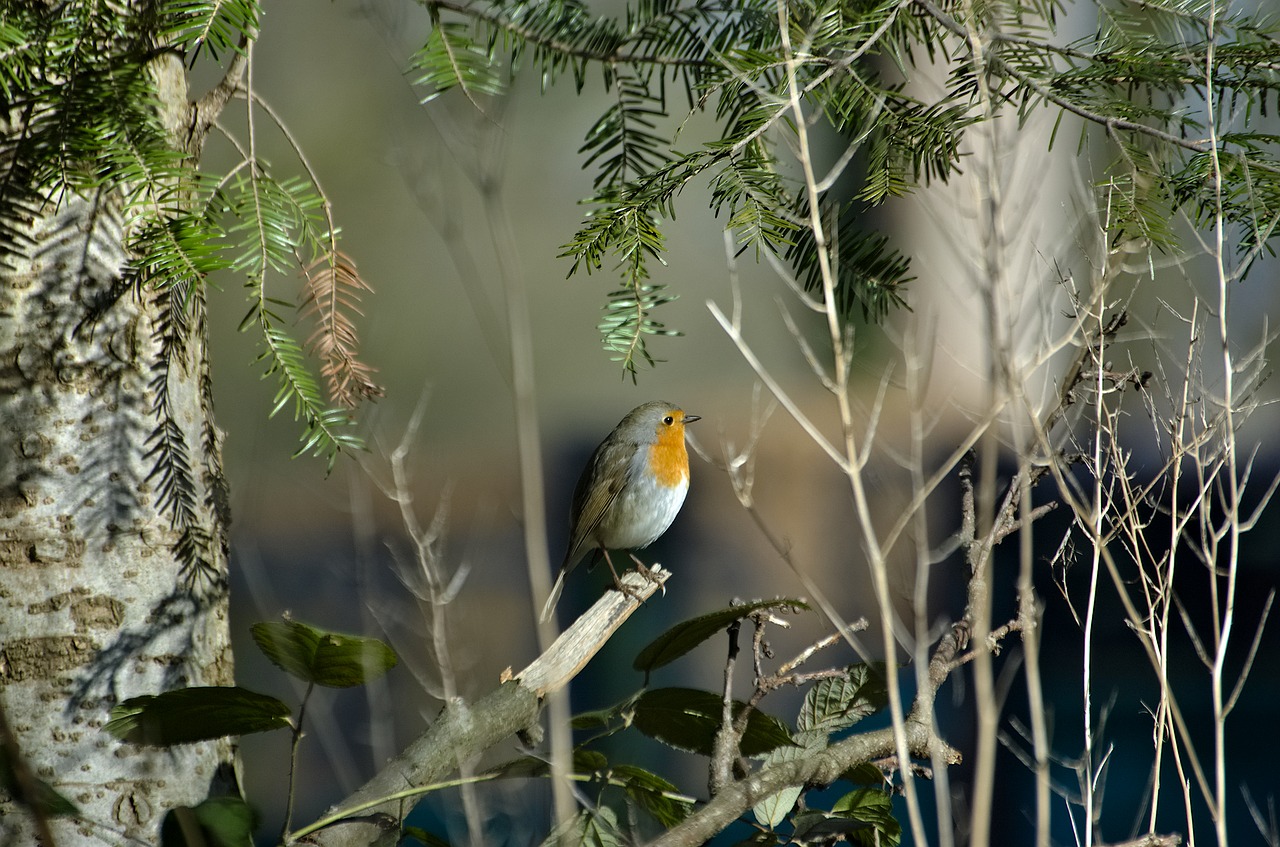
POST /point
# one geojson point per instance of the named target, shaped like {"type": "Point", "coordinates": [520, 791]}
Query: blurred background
{"type": "Point", "coordinates": [429, 198]}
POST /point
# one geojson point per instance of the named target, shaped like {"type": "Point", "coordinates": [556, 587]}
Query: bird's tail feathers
{"type": "Point", "coordinates": [554, 596]}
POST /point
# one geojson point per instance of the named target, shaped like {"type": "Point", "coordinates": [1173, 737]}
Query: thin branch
{"type": "Point", "coordinates": [1111, 123]}
{"type": "Point", "coordinates": [725, 746]}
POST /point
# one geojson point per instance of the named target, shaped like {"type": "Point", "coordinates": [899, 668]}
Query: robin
{"type": "Point", "coordinates": [631, 490]}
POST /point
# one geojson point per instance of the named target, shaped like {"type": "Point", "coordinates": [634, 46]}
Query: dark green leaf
{"type": "Point", "coordinates": [683, 637]}
{"type": "Point", "coordinates": [815, 826]}
{"type": "Point", "coordinates": [591, 828]}
{"type": "Point", "coordinates": [874, 807]}
{"type": "Point", "coordinates": [186, 715]}
{"type": "Point", "coordinates": [688, 719]}
{"type": "Point", "coordinates": [217, 822]}
{"type": "Point", "coordinates": [589, 761]}
{"type": "Point", "coordinates": [864, 774]}
{"type": "Point", "coordinates": [654, 794]}
{"type": "Point", "coordinates": [870, 804]}
{"type": "Point", "coordinates": [760, 839]}
{"type": "Point", "coordinates": [324, 658]}
{"type": "Point", "coordinates": [417, 833]}
{"type": "Point", "coordinates": [835, 704]}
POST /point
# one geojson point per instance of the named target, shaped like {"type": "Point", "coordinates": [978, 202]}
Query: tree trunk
{"type": "Point", "coordinates": [112, 522]}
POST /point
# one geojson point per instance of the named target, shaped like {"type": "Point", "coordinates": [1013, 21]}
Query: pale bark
{"type": "Point", "coordinates": [462, 732]}
{"type": "Point", "coordinates": [96, 603]}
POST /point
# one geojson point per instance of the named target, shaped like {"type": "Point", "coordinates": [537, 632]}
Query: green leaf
{"type": "Point", "coordinates": [420, 835]}
{"type": "Point", "coordinates": [773, 810]}
{"type": "Point", "coordinates": [835, 704]}
{"type": "Point", "coordinates": [654, 794]}
{"type": "Point", "coordinates": [688, 719]}
{"type": "Point", "coordinates": [591, 828]}
{"type": "Point", "coordinates": [321, 657]}
{"type": "Point", "coordinates": [684, 636]}
{"type": "Point", "coordinates": [42, 800]}
{"type": "Point", "coordinates": [815, 826]}
{"type": "Point", "coordinates": [751, 188]}
{"type": "Point", "coordinates": [873, 807]}
{"type": "Point", "coordinates": [864, 774]}
{"type": "Point", "coordinates": [187, 715]}
{"type": "Point", "coordinates": [869, 804]}
{"type": "Point", "coordinates": [625, 224]}
{"type": "Point", "coordinates": [589, 761]}
{"type": "Point", "coordinates": [911, 144]}
{"type": "Point", "coordinates": [217, 822]}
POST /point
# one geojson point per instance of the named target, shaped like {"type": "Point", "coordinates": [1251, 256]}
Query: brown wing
{"type": "Point", "coordinates": [591, 500]}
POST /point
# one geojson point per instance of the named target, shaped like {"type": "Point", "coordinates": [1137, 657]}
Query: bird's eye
{"type": "Point", "coordinates": [668, 420]}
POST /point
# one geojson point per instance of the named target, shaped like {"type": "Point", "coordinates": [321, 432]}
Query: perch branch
{"type": "Point", "coordinates": [464, 730]}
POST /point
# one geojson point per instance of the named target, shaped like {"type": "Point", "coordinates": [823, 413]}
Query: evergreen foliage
{"type": "Point", "coordinates": [81, 117]}
{"type": "Point", "coordinates": [79, 98]}
{"type": "Point", "coordinates": [1173, 89]}
{"type": "Point", "coordinates": [1138, 82]}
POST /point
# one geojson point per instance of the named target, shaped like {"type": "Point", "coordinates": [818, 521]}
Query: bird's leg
{"type": "Point", "coordinates": [644, 571]}
{"type": "Point", "coordinates": [617, 580]}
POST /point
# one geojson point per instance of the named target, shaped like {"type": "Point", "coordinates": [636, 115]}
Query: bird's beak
{"type": "Point", "coordinates": [691, 418]}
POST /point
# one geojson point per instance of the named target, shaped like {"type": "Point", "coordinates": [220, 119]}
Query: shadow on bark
{"type": "Point", "coordinates": [76, 331]}
{"type": "Point", "coordinates": [175, 622]}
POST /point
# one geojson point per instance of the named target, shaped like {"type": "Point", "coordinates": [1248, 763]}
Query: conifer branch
{"type": "Point", "coordinates": [1111, 122]}
{"type": "Point", "coordinates": [331, 291]}
{"type": "Point", "coordinates": [615, 56]}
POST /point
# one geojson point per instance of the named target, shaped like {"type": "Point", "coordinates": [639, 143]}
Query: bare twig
{"type": "Point", "coordinates": [725, 747]}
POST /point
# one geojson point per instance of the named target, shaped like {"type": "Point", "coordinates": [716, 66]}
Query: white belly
{"type": "Point", "coordinates": [643, 511]}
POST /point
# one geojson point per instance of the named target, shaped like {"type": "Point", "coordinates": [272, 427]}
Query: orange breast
{"type": "Point", "coordinates": [668, 458]}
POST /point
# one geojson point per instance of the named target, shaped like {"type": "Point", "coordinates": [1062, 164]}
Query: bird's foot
{"type": "Point", "coordinates": [647, 571]}
{"type": "Point", "coordinates": [622, 586]}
